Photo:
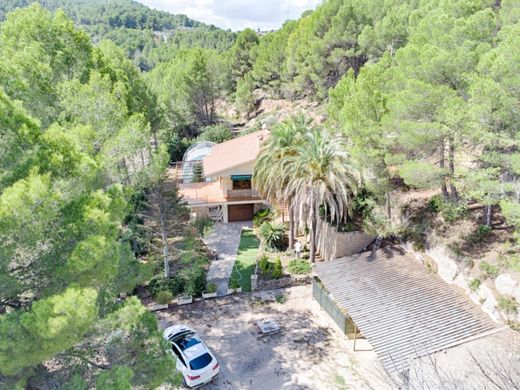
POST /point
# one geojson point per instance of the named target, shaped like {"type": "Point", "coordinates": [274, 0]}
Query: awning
{"type": "Point", "coordinates": [402, 310]}
{"type": "Point", "coordinates": [241, 177]}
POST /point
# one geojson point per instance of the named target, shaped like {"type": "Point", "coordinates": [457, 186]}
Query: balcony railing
{"type": "Point", "coordinates": [249, 193]}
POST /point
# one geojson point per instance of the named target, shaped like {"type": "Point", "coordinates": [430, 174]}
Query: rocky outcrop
{"type": "Point", "coordinates": [440, 260]}
{"type": "Point", "coordinates": [506, 284]}
{"type": "Point", "coordinates": [447, 267]}
{"type": "Point", "coordinates": [484, 296]}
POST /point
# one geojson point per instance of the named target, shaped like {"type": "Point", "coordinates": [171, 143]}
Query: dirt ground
{"type": "Point", "coordinates": [310, 353]}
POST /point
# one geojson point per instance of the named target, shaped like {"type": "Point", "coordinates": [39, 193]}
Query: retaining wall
{"type": "Point", "coordinates": [333, 244]}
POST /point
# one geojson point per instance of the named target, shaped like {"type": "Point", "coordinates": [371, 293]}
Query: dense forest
{"type": "Point", "coordinates": [77, 129]}
{"type": "Point", "coordinates": [94, 104]}
{"type": "Point", "coordinates": [132, 26]}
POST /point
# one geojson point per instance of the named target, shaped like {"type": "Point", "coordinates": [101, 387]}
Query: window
{"type": "Point", "coordinates": [178, 354]}
{"type": "Point", "coordinates": [241, 182]}
{"type": "Point", "coordinates": [201, 361]}
{"type": "Point", "coordinates": [187, 341]}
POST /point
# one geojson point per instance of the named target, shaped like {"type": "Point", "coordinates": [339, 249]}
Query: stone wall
{"type": "Point", "coordinates": [333, 244]}
{"type": "Point", "coordinates": [283, 282]}
{"type": "Point", "coordinates": [459, 273]}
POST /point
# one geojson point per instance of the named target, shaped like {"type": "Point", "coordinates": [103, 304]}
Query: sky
{"type": "Point", "coordinates": [237, 14]}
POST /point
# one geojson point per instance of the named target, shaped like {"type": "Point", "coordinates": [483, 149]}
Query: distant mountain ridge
{"type": "Point", "coordinates": [136, 28]}
{"type": "Point", "coordinates": [112, 14]}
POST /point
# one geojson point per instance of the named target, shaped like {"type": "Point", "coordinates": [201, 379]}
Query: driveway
{"type": "Point", "coordinates": [224, 239]}
{"type": "Point", "coordinates": [310, 353]}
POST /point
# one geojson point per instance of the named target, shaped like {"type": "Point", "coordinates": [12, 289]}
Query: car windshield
{"type": "Point", "coordinates": [200, 362]}
{"type": "Point", "coordinates": [187, 341]}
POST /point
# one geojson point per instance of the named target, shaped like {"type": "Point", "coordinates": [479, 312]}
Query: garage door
{"type": "Point", "coordinates": [240, 212]}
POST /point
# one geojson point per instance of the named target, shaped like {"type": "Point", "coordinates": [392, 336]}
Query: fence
{"type": "Point", "coordinates": [322, 296]}
{"type": "Point", "coordinates": [249, 193]}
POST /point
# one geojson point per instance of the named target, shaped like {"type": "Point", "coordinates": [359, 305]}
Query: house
{"type": "Point", "coordinates": [219, 184]}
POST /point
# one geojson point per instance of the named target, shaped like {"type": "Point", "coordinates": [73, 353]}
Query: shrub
{"type": "Point", "coordinates": [484, 230]}
{"type": "Point", "coordinates": [211, 288]}
{"type": "Point", "coordinates": [515, 325]}
{"type": "Point", "coordinates": [435, 203]}
{"type": "Point", "coordinates": [488, 270]}
{"type": "Point", "coordinates": [161, 284]}
{"type": "Point", "coordinates": [154, 286]}
{"type": "Point", "coordinates": [262, 216]}
{"type": "Point", "coordinates": [280, 298]}
{"type": "Point", "coordinates": [514, 262]}
{"type": "Point", "coordinates": [415, 236]}
{"type": "Point", "coordinates": [176, 145]}
{"type": "Point", "coordinates": [138, 236]}
{"type": "Point", "coordinates": [233, 283]}
{"type": "Point", "coordinates": [477, 236]}
{"type": "Point", "coordinates": [272, 235]}
{"type": "Point", "coordinates": [349, 226]}
{"type": "Point", "coordinates": [164, 297]}
{"type": "Point", "coordinates": [196, 282]}
{"type": "Point", "coordinates": [203, 225]}
{"type": "Point", "coordinates": [452, 212]}
{"type": "Point", "coordinates": [277, 269]}
{"type": "Point", "coordinates": [176, 285]}
{"type": "Point", "coordinates": [299, 267]}
{"type": "Point", "coordinates": [474, 284]}
{"type": "Point", "coordinates": [216, 133]}
{"type": "Point", "coordinates": [420, 174]}
{"type": "Point", "coordinates": [468, 262]}
{"type": "Point", "coordinates": [508, 304]}
{"type": "Point", "coordinates": [263, 265]}
{"type": "Point", "coordinates": [363, 203]}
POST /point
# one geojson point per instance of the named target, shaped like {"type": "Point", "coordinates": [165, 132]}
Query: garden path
{"type": "Point", "coordinates": [224, 239]}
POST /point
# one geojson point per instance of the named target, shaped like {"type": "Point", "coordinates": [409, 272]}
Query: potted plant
{"type": "Point", "coordinates": [163, 298]}
{"type": "Point", "coordinates": [211, 291]}
{"type": "Point", "coordinates": [234, 287]}
{"type": "Point", "coordinates": [184, 299]}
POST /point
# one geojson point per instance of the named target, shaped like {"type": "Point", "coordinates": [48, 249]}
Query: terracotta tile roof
{"type": "Point", "coordinates": [233, 153]}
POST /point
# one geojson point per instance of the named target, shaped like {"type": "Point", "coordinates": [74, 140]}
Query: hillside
{"type": "Point", "coordinates": [136, 28]}
{"type": "Point", "coordinates": [99, 15]}
{"type": "Point", "coordinates": [396, 120]}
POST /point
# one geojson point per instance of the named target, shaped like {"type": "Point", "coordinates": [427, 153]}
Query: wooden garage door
{"type": "Point", "coordinates": [240, 212]}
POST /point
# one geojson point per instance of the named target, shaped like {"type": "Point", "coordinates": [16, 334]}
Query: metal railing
{"type": "Point", "coordinates": [248, 193]}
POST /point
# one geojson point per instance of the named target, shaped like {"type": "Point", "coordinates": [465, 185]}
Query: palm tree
{"type": "Point", "coordinates": [319, 174]}
{"type": "Point", "coordinates": [269, 176]}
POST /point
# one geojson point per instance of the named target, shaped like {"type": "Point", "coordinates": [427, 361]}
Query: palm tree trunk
{"type": "Point", "coordinates": [313, 240]}
{"type": "Point", "coordinates": [291, 225]}
{"type": "Point", "coordinates": [313, 216]}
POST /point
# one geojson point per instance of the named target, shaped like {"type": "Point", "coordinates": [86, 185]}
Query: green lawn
{"type": "Point", "coordinates": [245, 262]}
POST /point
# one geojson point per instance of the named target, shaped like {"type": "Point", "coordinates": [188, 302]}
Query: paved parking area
{"type": "Point", "coordinates": [309, 354]}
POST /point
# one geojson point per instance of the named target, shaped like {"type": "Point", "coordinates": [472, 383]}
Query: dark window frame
{"type": "Point", "coordinates": [247, 184]}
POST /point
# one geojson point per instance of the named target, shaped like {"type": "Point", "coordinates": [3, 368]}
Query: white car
{"type": "Point", "coordinates": [195, 361]}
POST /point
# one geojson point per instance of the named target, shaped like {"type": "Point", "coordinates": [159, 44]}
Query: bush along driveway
{"type": "Point", "coordinates": [224, 240]}
{"type": "Point", "coordinates": [245, 261]}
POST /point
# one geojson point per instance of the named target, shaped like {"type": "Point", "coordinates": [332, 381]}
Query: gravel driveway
{"type": "Point", "coordinates": [309, 354]}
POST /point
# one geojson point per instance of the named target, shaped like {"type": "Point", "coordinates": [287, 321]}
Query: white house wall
{"type": "Point", "coordinates": [244, 169]}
